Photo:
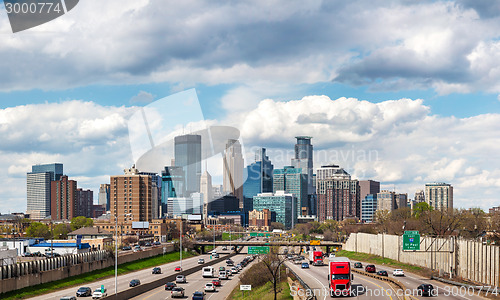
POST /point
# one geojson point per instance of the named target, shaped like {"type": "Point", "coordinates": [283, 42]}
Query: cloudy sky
{"type": "Point", "coordinates": [403, 92]}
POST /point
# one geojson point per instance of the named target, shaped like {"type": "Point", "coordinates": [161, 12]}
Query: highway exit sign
{"type": "Point", "coordinates": [411, 241]}
{"type": "Point", "coordinates": [258, 250]}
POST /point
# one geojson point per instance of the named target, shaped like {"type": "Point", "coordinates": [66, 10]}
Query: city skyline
{"type": "Point", "coordinates": [405, 97]}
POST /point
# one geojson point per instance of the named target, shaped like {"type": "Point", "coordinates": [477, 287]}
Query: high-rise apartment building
{"type": "Point", "coordinates": [84, 203]}
{"type": "Point", "coordinates": [386, 200]}
{"type": "Point", "coordinates": [280, 203]}
{"type": "Point", "coordinates": [38, 189]}
{"type": "Point", "coordinates": [104, 192]}
{"type": "Point", "coordinates": [259, 219]}
{"type": "Point", "coordinates": [419, 196]}
{"type": "Point", "coordinates": [367, 187]}
{"type": "Point", "coordinates": [259, 178]}
{"type": "Point", "coordinates": [439, 195]}
{"type": "Point", "coordinates": [206, 191]}
{"type": "Point", "coordinates": [233, 171]}
{"type": "Point", "coordinates": [292, 181]}
{"type": "Point", "coordinates": [38, 195]}
{"type": "Point", "coordinates": [64, 201]}
{"type": "Point", "coordinates": [131, 196]}
{"type": "Point", "coordinates": [187, 154]}
{"type": "Point", "coordinates": [338, 194]}
{"type": "Point", "coordinates": [156, 185]}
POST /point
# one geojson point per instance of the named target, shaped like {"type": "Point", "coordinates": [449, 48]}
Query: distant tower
{"type": "Point", "coordinates": [38, 189]}
{"type": "Point", "coordinates": [188, 156]}
{"type": "Point", "coordinates": [233, 170]}
{"type": "Point", "coordinates": [439, 195]}
{"type": "Point", "coordinates": [259, 178]}
{"type": "Point", "coordinates": [304, 160]}
{"type": "Point", "coordinates": [206, 190]}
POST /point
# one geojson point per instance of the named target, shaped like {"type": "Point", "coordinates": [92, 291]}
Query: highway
{"type": "Point", "coordinates": [195, 282]}
{"type": "Point", "coordinates": [124, 280]}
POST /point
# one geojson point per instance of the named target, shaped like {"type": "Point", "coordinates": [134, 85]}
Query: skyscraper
{"type": "Point", "coordinates": [64, 201]}
{"type": "Point", "coordinates": [367, 187]}
{"type": "Point", "coordinates": [439, 195]}
{"type": "Point", "coordinates": [38, 195]}
{"type": "Point", "coordinates": [338, 194]}
{"type": "Point", "coordinates": [292, 181]}
{"type": "Point", "coordinates": [38, 188]}
{"type": "Point", "coordinates": [84, 202]}
{"type": "Point", "coordinates": [280, 203]}
{"type": "Point", "coordinates": [104, 195]}
{"type": "Point", "coordinates": [304, 160]}
{"type": "Point", "coordinates": [131, 196]}
{"type": "Point", "coordinates": [156, 184]}
{"type": "Point", "coordinates": [368, 208]}
{"type": "Point", "coordinates": [187, 154]}
{"type": "Point", "coordinates": [172, 186]}
{"type": "Point", "coordinates": [233, 170]}
{"type": "Point", "coordinates": [259, 178]}
{"type": "Point", "coordinates": [206, 191]}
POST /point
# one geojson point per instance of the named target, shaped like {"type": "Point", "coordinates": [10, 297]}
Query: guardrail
{"type": "Point", "coordinates": [475, 287]}
{"type": "Point", "coordinates": [310, 294]}
{"type": "Point", "coordinates": [143, 288]}
{"type": "Point", "coordinates": [383, 278]}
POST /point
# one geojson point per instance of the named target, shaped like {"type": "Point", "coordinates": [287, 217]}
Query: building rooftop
{"type": "Point", "coordinates": [90, 231]}
{"type": "Point", "coordinates": [62, 245]}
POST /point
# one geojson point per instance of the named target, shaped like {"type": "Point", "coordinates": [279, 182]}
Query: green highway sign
{"type": "Point", "coordinates": [411, 241]}
{"type": "Point", "coordinates": [258, 250]}
{"type": "Point", "coordinates": [253, 233]}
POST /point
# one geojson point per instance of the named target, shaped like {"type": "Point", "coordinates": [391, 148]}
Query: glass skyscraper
{"type": "Point", "coordinates": [280, 203]}
{"type": "Point", "coordinates": [172, 185]}
{"type": "Point", "coordinates": [259, 178]}
{"type": "Point", "coordinates": [368, 208]}
{"type": "Point", "coordinates": [38, 189]}
{"type": "Point", "coordinates": [293, 181]}
{"type": "Point", "coordinates": [188, 156]}
{"type": "Point", "coordinates": [55, 170]}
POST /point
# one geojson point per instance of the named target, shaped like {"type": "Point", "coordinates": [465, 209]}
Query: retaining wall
{"type": "Point", "coordinates": [468, 259]}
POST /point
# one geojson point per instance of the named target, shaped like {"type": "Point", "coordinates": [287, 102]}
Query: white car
{"type": "Point", "coordinates": [222, 275]}
{"type": "Point", "coordinates": [98, 293]}
{"type": "Point", "coordinates": [229, 272]}
{"type": "Point", "coordinates": [398, 272]}
{"type": "Point", "coordinates": [209, 287]}
{"type": "Point", "coordinates": [234, 270]}
{"type": "Point", "coordinates": [180, 279]}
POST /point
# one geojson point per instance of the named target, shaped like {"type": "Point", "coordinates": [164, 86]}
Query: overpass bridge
{"type": "Point", "coordinates": [250, 243]}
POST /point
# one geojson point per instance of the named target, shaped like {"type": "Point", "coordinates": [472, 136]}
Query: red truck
{"type": "Point", "coordinates": [316, 258]}
{"type": "Point", "coordinates": [340, 277]}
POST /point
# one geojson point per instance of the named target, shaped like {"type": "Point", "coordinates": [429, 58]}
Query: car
{"type": "Point", "coordinates": [201, 261]}
{"type": "Point", "coordinates": [98, 293]}
{"type": "Point", "coordinates": [239, 266]}
{"type": "Point", "coordinates": [178, 269]}
{"type": "Point", "coordinates": [156, 270]}
{"type": "Point", "coordinates": [27, 254]}
{"type": "Point", "coordinates": [209, 287]}
{"type": "Point", "coordinates": [224, 248]}
{"type": "Point", "coordinates": [229, 272]}
{"type": "Point", "coordinates": [305, 265]}
{"type": "Point", "coordinates": [426, 289]}
{"type": "Point", "coordinates": [331, 256]}
{"type": "Point", "coordinates": [177, 292]}
{"type": "Point", "coordinates": [50, 255]}
{"type": "Point", "coordinates": [358, 265]}
{"type": "Point", "coordinates": [198, 296]}
{"type": "Point", "coordinates": [216, 282]}
{"type": "Point", "coordinates": [68, 298]}
{"type": "Point", "coordinates": [126, 248]}
{"type": "Point", "coordinates": [229, 262]}
{"type": "Point", "coordinates": [137, 248]}
{"type": "Point", "coordinates": [148, 244]}
{"type": "Point", "coordinates": [234, 270]}
{"type": "Point", "coordinates": [216, 255]}
{"type": "Point", "coordinates": [169, 286]}
{"type": "Point", "coordinates": [398, 272]}
{"type": "Point", "coordinates": [180, 279]}
{"type": "Point", "coordinates": [232, 248]}
{"type": "Point", "coordinates": [222, 275]}
{"type": "Point", "coordinates": [370, 269]}
{"type": "Point", "coordinates": [134, 282]}
{"type": "Point", "coordinates": [382, 273]}
{"type": "Point", "coordinates": [84, 292]}
{"type": "Point", "coordinates": [222, 269]}
{"type": "Point", "coordinates": [156, 243]}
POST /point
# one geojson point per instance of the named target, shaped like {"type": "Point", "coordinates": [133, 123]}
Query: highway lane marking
{"type": "Point", "coordinates": [324, 286]}
{"type": "Point", "coordinates": [378, 286]}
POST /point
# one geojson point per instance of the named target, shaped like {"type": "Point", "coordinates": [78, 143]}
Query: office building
{"type": "Point", "coordinates": [197, 200]}
{"type": "Point", "coordinates": [187, 152]}
{"type": "Point", "coordinates": [367, 187]}
{"type": "Point", "coordinates": [63, 199]}
{"type": "Point", "coordinates": [386, 200]}
{"type": "Point", "coordinates": [338, 194]}
{"type": "Point", "coordinates": [156, 184]}
{"type": "Point", "coordinates": [439, 195]}
{"type": "Point", "coordinates": [104, 192]}
{"type": "Point", "coordinates": [368, 207]}
{"type": "Point", "coordinates": [38, 195]}
{"type": "Point", "coordinates": [259, 178]}
{"type": "Point", "coordinates": [55, 170]}
{"type": "Point", "coordinates": [84, 203]}
{"type": "Point", "coordinates": [206, 191]}
{"type": "Point", "coordinates": [233, 171]}
{"type": "Point", "coordinates": [292, 181]}
{"type": "Point", "coordinates": [223, 204]}
{"type": "Point", "coordinates": [402, 201]}
{"type": "Point", "coordinates": [304, 160]}
{"type": "Point", "coordinates": [131, 196]}
{"type": "Point", "coordinates": [280, 203]}
{"type": "Point", "coordinates": [179, 206]}
{"type": "Point", "coordinates": [172, 186]}
{"type": "Point", "coordinates": [217, 191]}
{"type": "Point", "coordinates": [419, 196]}
{"type": "Point", "coordinates": [259, 219]}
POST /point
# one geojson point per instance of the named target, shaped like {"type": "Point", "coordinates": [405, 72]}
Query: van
{"type": "Point", "coordinates": [222, 275]}
{"type": "Point", "coordinates": [208, 272]}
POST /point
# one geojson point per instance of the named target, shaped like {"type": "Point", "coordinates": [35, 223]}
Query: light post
{"type": "Point", "coordinates": [180, 243]}
{"type": "Point", "coordinates": [116, 251]}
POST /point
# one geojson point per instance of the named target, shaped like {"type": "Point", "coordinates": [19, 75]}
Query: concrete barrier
{"type": "Point", "coordinates": [397, 283]}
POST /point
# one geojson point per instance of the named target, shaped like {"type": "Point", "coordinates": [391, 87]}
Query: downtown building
{"type": "Point", "coordinates": [233, 171]}
{"type": "Point", "coordinates": [259, 178]}
{"type": "Point", "coordinates": [38, 189]}
{"type": "Point", "coordinates": [303, 160]}
{"type": "Point", "coordinates": [338, 194]}
{"type": "Point", "coordinates": [439, 195]}
{"type": "Point", "coordinates": [280, 203]}
{"type": "Point", "coordinates": [187, 153]}
{"type": "Point", "coordinates": [64, 199]}
{"type": "Point", "coordinates": [104, 194]}
{"type": "Point", "coordinates": [292, 181]}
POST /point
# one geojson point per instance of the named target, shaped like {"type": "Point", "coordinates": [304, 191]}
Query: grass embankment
{"type": "Point", "coordinates": [262, 289]}
{"type": "Point", "coordinates": [356, 256]}
{"type": "Point", "coordinates": [226, 236]}
{"type": "Point", "coordinates": [84, 279]}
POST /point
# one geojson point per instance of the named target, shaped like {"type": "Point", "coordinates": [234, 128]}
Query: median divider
{"type": "Point", "coordinates": [146, 287]}
{"type": "Point", "coordinates": [397, 283]}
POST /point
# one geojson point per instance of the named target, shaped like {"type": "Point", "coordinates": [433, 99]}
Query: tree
{"type": "Point", "coordinates": [273, 261]}
{"type": "Point", "coordinates": [441, 222]}
{"type": "Point", "coordinates": [37, 229]}
{"type": "Point", "coordinates": [473, 223]}
{"type": "Point", "coordinates": [61, 231]}
{"type": "Point", "coordinates": [421, 208]}
{"type": "Point", "coordinates": [79, 222]}
{"type": "Point", "coordinates": [277, 225]}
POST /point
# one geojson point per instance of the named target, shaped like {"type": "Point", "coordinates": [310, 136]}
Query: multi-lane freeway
{"type": "Point", "coordinates": [123, 280]}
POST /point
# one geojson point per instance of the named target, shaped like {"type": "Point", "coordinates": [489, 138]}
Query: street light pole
{"type": "Point", "coordinates": [180, 242]}
{"type": "Point", "coordinates": [116, 254]}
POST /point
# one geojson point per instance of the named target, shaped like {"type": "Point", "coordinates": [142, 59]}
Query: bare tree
{"type": "Point", "coordinates": [273, 261]}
